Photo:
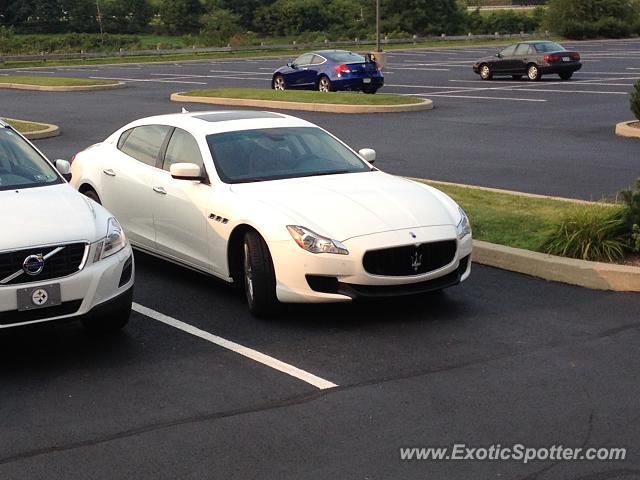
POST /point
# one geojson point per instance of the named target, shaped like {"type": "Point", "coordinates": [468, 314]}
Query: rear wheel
{"type": "Point", "coordinates": [324, 84]}
{"type": "Point", "coordinates": [92, 194]}
{"type": "Point", "coordinates": [516, 77]}
{"type": "Point", "coordinates": [259, 276]}
{"type": "Point", "coordinates": [485, 72]}
{"type": "Point", "coordinates": [533, 72]}
{"type": "Point", "coordinates": [566, 75]}
{"type": "Point", "coordinates": [278, 83]}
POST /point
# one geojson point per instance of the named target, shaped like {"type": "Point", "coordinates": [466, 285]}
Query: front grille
{"type": "Point", "coordinates": [15, 316]}
{"type": "Point", "coordinates": [411, 259]}
{"type": "Point", "coordinates": [63, 263]}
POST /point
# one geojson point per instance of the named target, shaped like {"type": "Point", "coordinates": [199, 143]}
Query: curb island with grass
{"type": "Point", "coordinates": [33, 130]}
{"type": "Point", "coordinates": [57, 84]}
{"type": "Point", "coordinates": [334, 102]}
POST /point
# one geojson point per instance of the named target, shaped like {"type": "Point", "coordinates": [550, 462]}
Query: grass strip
{"type": "Point", "coordinates": [25, 127]}
{"type": "Point", "coordinates": [338, 98]}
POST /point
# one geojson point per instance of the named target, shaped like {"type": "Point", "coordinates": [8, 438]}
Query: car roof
{"type": "Point", "coordinates": [537, 41]}
{"type": "Point", "coordinates": [210, 122]}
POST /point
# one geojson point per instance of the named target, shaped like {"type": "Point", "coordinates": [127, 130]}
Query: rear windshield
{"type": "Point", "coordinates": [345, 57]}
{"type": "Point", "coordinates": [20, 165]}
{"type": "Point", "coordinates": [544, 47]}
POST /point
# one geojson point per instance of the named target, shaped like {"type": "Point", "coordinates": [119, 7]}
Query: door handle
{"type": "Point", "coordinates": [109, 172]}
{"type": "Point", "coordinates": [160, 190]}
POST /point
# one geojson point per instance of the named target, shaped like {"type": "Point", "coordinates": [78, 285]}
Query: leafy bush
{"type": "Point", "coordinates": [597, 233]}
{"type": "Point", "coordinates": [220, 25]}
{"type": "Point", "coordinates": [631, 199]}
{"type": "Point", "coordinates": [579, 19]}
{"type": "Point", "coordinates": [634, 100]}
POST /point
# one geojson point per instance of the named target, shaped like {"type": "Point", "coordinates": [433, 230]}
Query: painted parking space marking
{"type": "Point", "coordinates": [153, 80]}
{"type": "Point", "coordinates": [254, 355]}
{"type": "Point", "coordinates": [477, 97]}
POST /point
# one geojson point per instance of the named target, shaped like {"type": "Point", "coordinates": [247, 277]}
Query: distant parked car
{"type": "Point", "coordinates": [533, 59]}
{"type": "Point", "coordinates": [62, 256]}
{"type": "Point", "coordinates": [328, 71]}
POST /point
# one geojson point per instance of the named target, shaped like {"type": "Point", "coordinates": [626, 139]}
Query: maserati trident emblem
{"type": "Point", "coordinates": [416, 261]}
{"type": "Point", "coordinates": [33, 265]}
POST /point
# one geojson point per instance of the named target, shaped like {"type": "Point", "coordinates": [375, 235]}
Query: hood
{"type": "Point", "coordinates": [48, 215]}
{"type": "Point", "coordinates": [351, 205]}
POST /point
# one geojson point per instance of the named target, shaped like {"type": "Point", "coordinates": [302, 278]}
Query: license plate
{"type": "Point", "coordinates": [39, 297]}
{"type": "Point", "coordinates": [566, 59]}
{"type": "Point", "coordinates": [366, 80]}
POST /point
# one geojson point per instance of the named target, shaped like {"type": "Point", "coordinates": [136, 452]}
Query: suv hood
{"type": "Point", "coordinates": [49, 215]}
{"type": "Point", "coordinates": [351, 205]}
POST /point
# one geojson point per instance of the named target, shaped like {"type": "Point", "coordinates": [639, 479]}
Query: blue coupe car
{"type": "Point", "coordinates": [328, 71]}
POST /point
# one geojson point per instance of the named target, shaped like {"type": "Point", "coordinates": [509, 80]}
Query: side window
{"type": "Point", "coordinates": [303, 59]}
{"type": "Point", "coordinates": [317, 60]}
{"type": "Point", "coordinates": [182, 148]}
{"type": "Point", "coordinates": [523, 49]}
{"type": "Point", "coordinates": [507, 52]}
{"type": "Point", "coordinates": [144, 143]}
{"type": "Point", "coordinates": [123, 138]}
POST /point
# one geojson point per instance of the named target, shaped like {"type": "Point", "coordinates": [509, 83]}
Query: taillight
{"type": "Point", "coordinates": [378, 66]}
{"type": "Point", "coordinates": [551, 58]}
{"type": "Point", "coordinates": [73, 158]}
{"type": "Point", "coordinates": [342, 68]}
{"type": "Point", "coordinates": [575, 56]}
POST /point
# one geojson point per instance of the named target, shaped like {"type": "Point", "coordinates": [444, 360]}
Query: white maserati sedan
{"type": "Point", "coordinates": [62, 256]}
{"type": "Point", "coordinates": [276, 204]}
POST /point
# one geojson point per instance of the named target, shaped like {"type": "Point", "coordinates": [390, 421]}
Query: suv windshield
{"type": "Point", "coordinates": [20, 165]}
{"type": "Point", "coordinates": [277, 153]}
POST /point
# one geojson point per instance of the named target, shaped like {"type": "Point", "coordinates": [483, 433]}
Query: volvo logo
{"type": "Point", "coordinates": [416, 261]}
{"type": "Point", "coordinates": [33, 265]}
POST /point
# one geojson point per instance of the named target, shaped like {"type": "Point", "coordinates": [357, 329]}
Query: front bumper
{"type": "Point", "coordinates": [81, 293]}
{"type": "Point", "coordinates": [343, 277]}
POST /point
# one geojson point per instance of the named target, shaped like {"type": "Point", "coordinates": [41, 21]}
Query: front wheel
{"type": "Point", "coordinates": [533, 73]}
{"type": "Point", "coordinates": [324, 84]}
{"type": "Point", "coordinates": [278, 83]}
{"type": "Point", "coordinates": [566, 75]}
{"type": "Point", "coordinates": [485, 72]}
{"type": "Point", "coordinates": [259, 276]}
{"type": "Point", "coordinates": [92, 194]}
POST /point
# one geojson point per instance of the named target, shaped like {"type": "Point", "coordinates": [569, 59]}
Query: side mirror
{"type": "Point", "coordinates": [369, 154]}
{"type": "Point", "coordinates": [64, 168]}
{"type": "Point", "coordinates": [186, 171]}
{"type": "Point", "coordinates": [292, 65]}
{"type": "Point", "coordinates": [499, 55]}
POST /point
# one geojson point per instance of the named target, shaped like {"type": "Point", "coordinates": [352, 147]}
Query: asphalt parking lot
{"type": "Point", "coordinates": [503, 358]}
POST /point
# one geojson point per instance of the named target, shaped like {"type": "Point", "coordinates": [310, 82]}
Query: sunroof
{"type": "Point", "coordinates": [239, 115]}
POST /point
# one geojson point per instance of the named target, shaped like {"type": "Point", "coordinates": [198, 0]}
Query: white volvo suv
{"type": "Point", "coordinates": [62, 256]}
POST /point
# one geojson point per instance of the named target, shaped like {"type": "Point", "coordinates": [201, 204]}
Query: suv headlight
{"type": "Point", "coordinates": [114, 241]}
{"type": "Point", "coordinates": [314, 243]}
{"type": "Point", "coordinates": [464, 227]}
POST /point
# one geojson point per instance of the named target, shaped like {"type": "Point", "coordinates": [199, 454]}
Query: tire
{"type": "Point", "coordinates": [111, 318]}
{"type": "Point", "coordinates": [485, 72]}
{"type": "Point", "coordinates": [566, 75]}
{"type": "Point", "coordinates": [259, 276]}
{"type": "Point", "coordinates": [92, 194]}
{"type": "Point", "coordinates": [324, 84]}
{"type": "Point", "coordinates": [278, 83]}
{"type": "Point", "coordinates": [369, 90]}
{"type": "Point", "coordinates": [533, 72]}
{"type": "Point", "coordinates": [516, 77]}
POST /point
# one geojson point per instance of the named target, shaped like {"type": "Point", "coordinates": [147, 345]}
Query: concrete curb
{"type": "Point", "coordinates": [594, 275]}
{"type": "Point", "coordinates": [625, 129]}
{"type": "Point", "coordinates": [48, 132]}
{"type": "Point", "coordinates": [308, 107]}
{"type": "Point", "coordinates": [50, 88]}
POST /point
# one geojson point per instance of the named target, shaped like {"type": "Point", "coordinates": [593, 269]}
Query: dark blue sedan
{"type": "Point", "coordinates": [328, 71]}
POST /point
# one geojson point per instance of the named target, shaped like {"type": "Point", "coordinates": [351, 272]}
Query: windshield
{"type": "Point", "coordinates": [549, 47]}
{"type": "Point", "coordinates": [20, 165]}
{"type": "Point", "coordinates": [277, 153]}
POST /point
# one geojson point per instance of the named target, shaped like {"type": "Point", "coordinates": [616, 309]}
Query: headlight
{"type": "Point", "coordinates": [112, 243]}
{"type": "Point", "coordinates": [464, 227]}
{"type": "Point", "coordinates": [314, 243]}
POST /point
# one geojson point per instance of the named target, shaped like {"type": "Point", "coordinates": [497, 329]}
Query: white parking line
{"type": "Point", "coordinates": [513, 99]}
{"type": "Point", "coordinates": [254, 355]}
{"type": "Point", "coordinates": [391, 67]}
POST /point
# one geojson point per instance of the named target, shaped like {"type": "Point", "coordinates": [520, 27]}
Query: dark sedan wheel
{"type": "Point", "coordinates": [516, 77]}
{"type": "Point", "coordinates": [324, 84]}
{"type": "Point", "coordinates": [566, 75]}
{"type": "Point", "coordinates": [533, 72]}
{"type": "Point", "coordinates": [485, 72]}
{"type": "Point", "coordinates": [278, 83]}
{"type": "Point", "coordinates": [259, 276]}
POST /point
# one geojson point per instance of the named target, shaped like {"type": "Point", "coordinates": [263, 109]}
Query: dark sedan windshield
{"type": "Point", "coordinates": [20, 165]}
{"type": "Point", "coordinates": [544, 47]}
{"type": "Point", "coordinates": [277, 153]}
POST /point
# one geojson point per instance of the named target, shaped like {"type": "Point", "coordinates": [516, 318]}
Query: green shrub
{"type": "Point", "coordinates": [631, 199]}
{"type": "Point", "coordinates": [597, 233]}
{"type": "Point", "coordinates": [634, 100]}
{"type": "Point", "coordinates": [610, 27]}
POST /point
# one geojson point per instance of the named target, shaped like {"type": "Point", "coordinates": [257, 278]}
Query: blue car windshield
{"type": "Point", "coordinates": [20, 165]}
{"type": "Point", "coordinates": [278, 153]}
{"type": "Point", "coordinates": [344, 57]}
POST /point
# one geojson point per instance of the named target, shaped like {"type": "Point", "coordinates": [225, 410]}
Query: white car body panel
{"type": "Point", "coordinates": [193, 221]}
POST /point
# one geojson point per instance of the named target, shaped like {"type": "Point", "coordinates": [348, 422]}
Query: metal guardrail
{"type": "Point", "coordinates": [45, 56]}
